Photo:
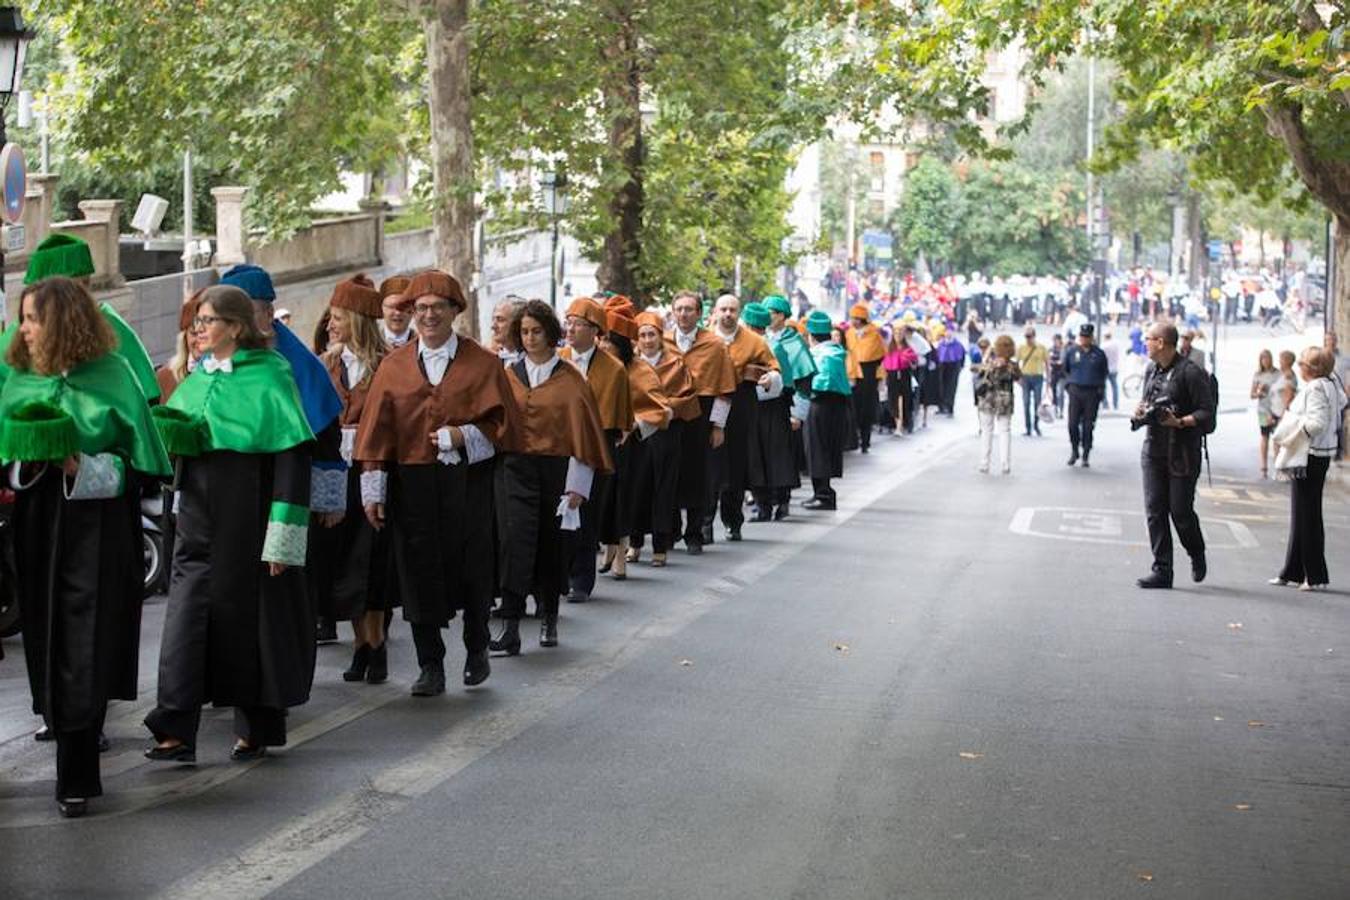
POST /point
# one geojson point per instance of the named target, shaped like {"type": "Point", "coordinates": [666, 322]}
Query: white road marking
{"type": "Point", "coordinates": [1106, 526]}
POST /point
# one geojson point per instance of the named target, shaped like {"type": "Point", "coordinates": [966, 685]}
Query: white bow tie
{"type": "Point", "coordinates": [213, 365]}
{"type": "Point", "coordinates": [438, 353]}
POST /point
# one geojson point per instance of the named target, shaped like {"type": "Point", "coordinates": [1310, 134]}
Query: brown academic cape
{"type": "Point", "coordinates": [609, 385]}
{"type": "Point", "coordinates": [678, 385]}
{"type": "Point", "coordinates": [440, 516]}
{"type": "Point", "coordinates": [747, 349]}
{"type": "Point", "coordinates": [650, 403]}
{"type": "Point", "coordinates": [708, 362]}
{"type": "Point", "coordinates": [559, 418]}
{"type": "Point", "coordinates": [864, 345]}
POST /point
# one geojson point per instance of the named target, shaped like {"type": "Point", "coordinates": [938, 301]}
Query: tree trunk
{"type": "Point", "coordinates": [453, 213]}
{"type": "Point", "coordinates": [617, 271]}
{"type": "Point", "coordinates": [1338, 289]}
{"type": "Point", "coordinates": [1199, 255]}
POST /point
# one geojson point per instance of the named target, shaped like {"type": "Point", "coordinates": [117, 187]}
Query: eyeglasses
{"type": "Point", "coordinates": [204, 321]}
{"type": "Point", "coordinates": [426, 309]}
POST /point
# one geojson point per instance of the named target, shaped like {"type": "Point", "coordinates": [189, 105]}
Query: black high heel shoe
{"type": "Point", "coordinates": [179, 753]}
{"type": "Point", "coordinates": [360, 663]}
{"type": "Point", "coordinates": [72, 807]}
{"type": "Point", "coordinates": [241, 752]}
{"type": "Point", "coordinates": [508, 641]}
{"type": "Point", "coordinates": [378, 673]}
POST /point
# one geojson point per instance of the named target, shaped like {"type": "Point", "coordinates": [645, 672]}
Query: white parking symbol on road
{"type": "Point", "coordinates": [1117, 526]}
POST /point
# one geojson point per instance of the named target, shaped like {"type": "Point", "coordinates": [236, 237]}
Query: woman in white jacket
{"type": "Point", "coordinates": [1306, 438]}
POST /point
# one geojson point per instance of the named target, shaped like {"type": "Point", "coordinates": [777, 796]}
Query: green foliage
{"type": "Point", "coordinates": [1014, 219]}
{"type": "Point", "coordinates": [274, 96]}
{"type": "Point", "coordinates": [928, 217]}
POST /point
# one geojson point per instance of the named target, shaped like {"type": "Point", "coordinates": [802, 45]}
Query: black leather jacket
{"type": "Point", "coordinates": [1186, 387]}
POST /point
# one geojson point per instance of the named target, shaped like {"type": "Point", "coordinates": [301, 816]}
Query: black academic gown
{"type": "Point", "coordinates": [772, 463]}
{"type": "Point", "coordinates": [234, 635]}
{"type": "Point", "coordinates": [652, 477]}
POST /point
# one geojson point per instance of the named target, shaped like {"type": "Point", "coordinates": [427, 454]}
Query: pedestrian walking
{"type": "Point", "coordinates": [656, 462]}
{"type": "Point", "coordinates": [899, 364]}
{"type": "Point", "coordinates": [1306, 438]}
{"type": "Point", "coordinates": [827, 422]}
{"type": "Point", "coordinates": [438, 413]}
{"type": "Point", "coordinates": [1054, 374]}
{"type": "Point", "coordinates": [710, 367]}
{"type": "Point", "coordinates": [865, 349]}
{"type": "Point", "coordinates": [607, 378]}
{"type": "Point", "coordinates": [1176, 411]}
{"type": "Point", "coordinates": [75, 424]}
{"type": "Point", "coordinates": [1264, 384]}
{"type": "Point", "coordinates": [239, 629]}
{"type": "Point", "coordinates": [349, 558]}
{"type": "Point", "coordinates": [556, 449]}
{"type": "Point", "coordinates": [951, 358]}
{"type": "Point", "coordinates": [1085, 370]}
{"type": "Point", "coordinates": [1111, 347]}
{"type": "Point", "coordinates": [1032, 359]}
{"type": "Point", "coordinates": [994, 401]}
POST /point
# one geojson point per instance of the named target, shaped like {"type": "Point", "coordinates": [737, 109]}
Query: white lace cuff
{"type": "Point", "coordinates": [721, 408]}
{"type": "Point", "coordinates": [775, 388]}
{"type": "Point", "coordinates": [100, 477]}
{"type": "Point", "coordinates": [800, 407]}
{"type": "Point", "coordinates": [579, 477]}
{"type": "Point", "coordinates": [476, 446]}
{"type": "Point", "coordinates": [327, 490]}
{"type": "Point", "coordinates": [374, 485]}
{"type": "Point", "coordinates": [348, 443]}
{"type": "Point", "coordinates": [448, 455]}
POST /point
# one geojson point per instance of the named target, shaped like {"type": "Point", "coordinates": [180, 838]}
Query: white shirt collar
{"type": "Point", "coordinates": [396, 340]}
{"type": "Point", "coordinates": [539, 373]}
{"type": "Point", "coordinates": [653, 360]}
{"type": "Point", "coordinates": [728, 338]}
{"type": "Point", "coordinates": [446, 350]}
{"type": "Point", "coordinates": [356, 369]}
{"type": "Point", "coordinates": [685, 339]}
{"type": "Point", "coordinates": [583, 360]}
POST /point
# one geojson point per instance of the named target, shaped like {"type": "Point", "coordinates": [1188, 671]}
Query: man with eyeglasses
{"type": "Point", "coordinates": [438, 409]}
{"type": "Point", "coordinates": [1177, 409]}
{"type": "Point", "coordinates": [395, 323]}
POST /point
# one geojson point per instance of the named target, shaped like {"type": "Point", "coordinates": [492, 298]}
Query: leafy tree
{"type": "Point", "coordinates": [927, 217]}
{"type": "Point", "coordinates": [1018, 220]}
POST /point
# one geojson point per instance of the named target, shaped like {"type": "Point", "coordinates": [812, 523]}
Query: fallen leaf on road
{"type": "Point", "coordinates": [1144, 876]}
{"type": "Point", "coordinates": [842, 648]}
{"type": "Point", "coordinates": [967, 754]}
{"type": "Point", "coordinates": [686, 662]}
{"type": "Point", "coordinates": [1242, 807]}
{"type": "Point", "coordinates": [1256, 723]}
{"type": "Point", "coordinates": [1218, 718]}
{"type": "Point", "coordinates": [1236, 626]}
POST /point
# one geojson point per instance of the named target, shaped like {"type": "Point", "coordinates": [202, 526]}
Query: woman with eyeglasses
{"type": "Point", "coordinates": [239, 629]}
{"type": "Point", "coordinates": [76, 433]}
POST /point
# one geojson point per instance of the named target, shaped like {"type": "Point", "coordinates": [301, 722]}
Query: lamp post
{"type": "Point", "coordinates": [554, 188]}
{"type": "Point", "coordinates": [14, 38]}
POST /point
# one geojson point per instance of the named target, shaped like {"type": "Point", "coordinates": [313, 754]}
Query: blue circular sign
{"type": "Point", "coordinates": [14, 171]}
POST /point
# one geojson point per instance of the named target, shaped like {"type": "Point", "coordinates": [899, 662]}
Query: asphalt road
{"type": "Point", "coordinates": [949, 688]}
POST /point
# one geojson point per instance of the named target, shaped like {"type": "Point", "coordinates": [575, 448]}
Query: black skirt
{"type": "Point", "coordinates": [693, 446]}
{"type": "Point", "coordinates": [348, 565]}
{"type": "Point", "coordinates": [536, 552]}
{"type": "Point", "coordinates": [607, 493]}
{"type": "Point", "coordinates": [772, 460]}
{"type": "Point", "coordinates": [653, 480]}
{"type": "Point", "coordinates": [827, 431]}
{"type": "Point", "coordinates": [80, 574]}
{"type": "Point", "coordinates": [729, 465]}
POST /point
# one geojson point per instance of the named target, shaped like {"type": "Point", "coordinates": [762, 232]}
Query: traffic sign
{"type": "Point", "coordinates": [13, 183]}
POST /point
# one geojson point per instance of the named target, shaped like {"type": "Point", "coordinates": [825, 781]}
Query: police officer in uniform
{"type": "Point", "coordinates": [1177, 409]}
{"type": "Point", "coordinates": [1085, 372]}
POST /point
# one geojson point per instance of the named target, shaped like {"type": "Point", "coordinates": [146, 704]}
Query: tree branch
{"type": "Point", "coordinates": [1327, 180]}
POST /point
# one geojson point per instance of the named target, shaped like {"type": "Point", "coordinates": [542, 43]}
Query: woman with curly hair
{"type": "Point", "coordinates": [350, 569]}
{"type": "Point", "coordinates": [76, 429]}
{"type": "Point", "coordinates": [995, 378]}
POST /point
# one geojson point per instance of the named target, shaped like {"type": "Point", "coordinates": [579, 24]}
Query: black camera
{"type": "Point", "coordinates": [1153, 413]}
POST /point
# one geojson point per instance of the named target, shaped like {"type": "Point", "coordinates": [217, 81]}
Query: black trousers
{"type": "Point", "coordinates": [260, 726]}
{"type": "Point", "coordinates": [1306, 557]}
{"type": "Point", "coordinates": [1084, 401]}
{"type": "Point", "coordinates": [821, 490]}
{"type": "Point", "coordinates": [431, 646]}
{"type": "Point", "coordinates": [865, 402]}
{"type": "Point", "coordinates": [1170, 497]}
{"type": "Point", "coordinates": [513, 605]}
{"type": "Point", "coordinates": [77, 773]}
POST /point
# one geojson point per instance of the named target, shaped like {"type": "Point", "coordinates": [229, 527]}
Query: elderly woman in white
{"type": "Point", "coordinates": [1306, 442]}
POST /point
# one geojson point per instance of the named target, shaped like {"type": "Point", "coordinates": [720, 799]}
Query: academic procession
{"type": "Point", "coordinates": [391, 469]}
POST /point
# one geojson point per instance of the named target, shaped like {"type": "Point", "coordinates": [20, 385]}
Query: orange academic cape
{"type": "Point", "coordinates": [609, 384]}
{"type": "Point", "coordinates": [864, 345]}
{"type": "Point", "coordinates": [558, 418]}
{"type": "Point", "coordinates": [650, 403]}
{"type": "Point", "coordinates": [748, 348]}
{"type": "Point", "coordinates": [709, 363]}
{"type": "Point", "coordinates": [678, 386]}
{"type": "Point", "coordinates": [402, 408]}
{"type": "Point", "coordinates": [353, 398]}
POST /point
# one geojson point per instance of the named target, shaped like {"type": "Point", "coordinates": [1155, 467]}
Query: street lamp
{"type": "Point", "coordinates": [14, 38]}
{"type": "Point", "coordinates": [553, 185]}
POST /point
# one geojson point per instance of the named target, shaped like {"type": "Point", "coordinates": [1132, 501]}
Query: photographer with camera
{"type": "Point", "coordinates": [1178, 409]}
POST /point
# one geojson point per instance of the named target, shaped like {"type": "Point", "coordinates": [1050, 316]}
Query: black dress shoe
{"type": "Point", "coordinates": [477, 668]}
{"type": "Point", "coordinates": [182, 753]}
{"type": "Point", "coordinates": [762, 514]}
{"type": "Point", "coordinates": [1085, 460]}
{"type": "Point", "coordinates": [1073, 457]}
{"type": "Point", "coordinates": [575, 596]}
{"type": "Point", "coordinates": [44, 734]}
{"type": "Point", "coordinates": [1198, 568]}
{"type": "Point", "coordinates": [780, 512]}
{"type": "Point", "coordinates": [1162, 580]}
{"type": "Point", "coordinates": [733, 534]}
{"type": "Point", "coordinates": [548, 632]}
{"type": "Point", "coordinates": [508, 641]}
{"type": "Point", "coordinates": [693, 549]}
{"type": "Point", "coordinates": [72, 807]}
{"type": "Point", "coordinates": [817, 503]}
{"type": "Point", "coordinates": [245, 753]}
{"type": "Point", "coordinates": [430, 683]}
{"type": "Point", "coordinates": [706, 535]}
{"type": "Point", "coordinates": [360, 663]}
{"type": "Point", "coordinates": [325, 631]}
{"type": "Point", "coordinates": [104, 745]}
{"type": "Point", "coordinates": [378, 673]}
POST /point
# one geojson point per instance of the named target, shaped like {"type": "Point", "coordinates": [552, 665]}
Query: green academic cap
{"type": "Point", "coordinates": [59, 254]}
